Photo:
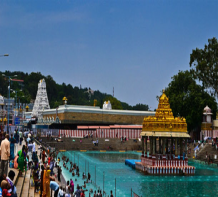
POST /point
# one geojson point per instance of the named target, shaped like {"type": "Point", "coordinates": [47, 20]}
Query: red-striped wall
{"type": "Point", "coordinates": [103, 133]}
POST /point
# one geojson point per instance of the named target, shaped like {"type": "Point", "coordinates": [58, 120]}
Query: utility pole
{"type": "Point", "coordinates": [115, 187]}
{"type": "Point", "coordinates": [103, 183]}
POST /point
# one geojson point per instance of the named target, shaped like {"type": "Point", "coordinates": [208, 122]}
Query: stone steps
{"type": "Point", "coordinates": [19, 185]}
{"type": "Point", "coordinates": [37, 195]}
{"type": "Point", "coordinates": [210, 151]}
{"type": "Point", "coordinates": [87, 144]}
{"type": "Point", "coordinates": [26, 185]}
{"type": "Point", "coordinates": [31, 192]}
{"type": "Point", "coordinates": [22, 183]}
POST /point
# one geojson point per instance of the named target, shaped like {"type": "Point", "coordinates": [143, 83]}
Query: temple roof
{"type": "Point", "coordinates": [207, 111]}
{"type": "Point", "coordinates": [164, 123]}
{"type": "Point", "coordinates": [1, 100]}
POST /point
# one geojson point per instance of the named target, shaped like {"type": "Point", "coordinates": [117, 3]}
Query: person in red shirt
{"type": "Point", "coordinates": [49, 160]}
{"type": "Point", "coordinates": [82, 194]}
{"type": "Point", "coordinates": [5, 193]}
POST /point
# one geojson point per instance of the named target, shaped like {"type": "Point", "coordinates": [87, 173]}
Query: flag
{"type": "Point", "coordinates": [135, 195]}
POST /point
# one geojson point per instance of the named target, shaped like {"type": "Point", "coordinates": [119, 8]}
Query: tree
{"type": "Point", "coordinates": [188, 99]}
{"type": "Point", "coordinates": [56, 92]}
{"type": "Point", "coordinates": [205, 63]}
{"type": "Point", "coordinates": [140, 107]}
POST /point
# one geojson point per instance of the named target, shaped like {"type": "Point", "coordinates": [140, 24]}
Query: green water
{"type": "Point", "coordinates": [204, 183]}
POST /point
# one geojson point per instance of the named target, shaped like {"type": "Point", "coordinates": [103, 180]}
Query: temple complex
{"type": "Point", "coordinates": [164, 142]}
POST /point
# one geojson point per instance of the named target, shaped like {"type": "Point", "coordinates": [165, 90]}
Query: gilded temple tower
{"type": "Point", "coordinates": [167, 137]}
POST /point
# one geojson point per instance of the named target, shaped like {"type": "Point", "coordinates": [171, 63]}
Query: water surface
{"type": "Point", "coordinates": [112, 164]}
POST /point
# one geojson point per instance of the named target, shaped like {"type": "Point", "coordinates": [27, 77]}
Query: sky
{"type": "Point", "coordinates": [134, 46]}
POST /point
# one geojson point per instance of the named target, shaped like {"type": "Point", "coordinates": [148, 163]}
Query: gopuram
{"type": "Point", "coordinates": [41, 101]}
{"type": "Point", "coordinates": [164, 143]}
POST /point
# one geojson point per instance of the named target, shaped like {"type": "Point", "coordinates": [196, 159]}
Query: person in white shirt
{"type": "Point", "coordinates": [28, 140]}
{"type": "Point", "coordinates": [67, 194]}
{"type": "Point", "coordinates": [10, 179]}
{"type": "Point", "coordinates": [60, 192]}
{"type": "Point", "coordinates": [34, 147]}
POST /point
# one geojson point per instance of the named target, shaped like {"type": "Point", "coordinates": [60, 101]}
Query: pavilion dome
{"type": "Point", "coordinates": [163, 97]}
{"type": "Point", "coordinates": [207, 110]}
{"type": "Point", "coordinates": [1, 100]}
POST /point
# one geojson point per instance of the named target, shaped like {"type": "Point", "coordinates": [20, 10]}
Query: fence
{"type": "Point", "coordinates": [48, 132]}
{"type": "Point", "coordinates": [99, 178]}
{"type": "Point", "coordinates": [102, 133]}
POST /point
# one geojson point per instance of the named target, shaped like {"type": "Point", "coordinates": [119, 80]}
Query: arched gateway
{"type": "Point", "coordinates": [167, 148]}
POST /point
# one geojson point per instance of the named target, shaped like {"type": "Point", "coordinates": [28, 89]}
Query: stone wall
{"type": "Point", "coordinates": [88, 118]}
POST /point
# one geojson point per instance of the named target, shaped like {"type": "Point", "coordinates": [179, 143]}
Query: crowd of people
{"type": "Point", "coordinates": [44, 168]}
{"type": "Point", "coordinates": [8, 151]}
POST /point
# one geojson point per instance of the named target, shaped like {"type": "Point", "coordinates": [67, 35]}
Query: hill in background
{"type": "Point", "coordinates": [56, 92]}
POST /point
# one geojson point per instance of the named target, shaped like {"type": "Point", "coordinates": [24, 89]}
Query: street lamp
{"type": "Point", "coordinates": [4, 55]}
{"type": "Point", "coordinates": [16, 91]}
{"type": "Point", "coordinates": [9, 80]}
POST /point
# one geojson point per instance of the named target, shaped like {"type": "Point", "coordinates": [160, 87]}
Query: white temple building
{"type": "Point", "coordinates": [41, 102]}
{"type": "Point", "coordinates": [107, 105]}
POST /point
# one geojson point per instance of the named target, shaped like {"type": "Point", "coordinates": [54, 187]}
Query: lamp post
{"type": "Point", "coordinates": [9, 81]}
{"type": "Point", "coordinates": [16, 109]}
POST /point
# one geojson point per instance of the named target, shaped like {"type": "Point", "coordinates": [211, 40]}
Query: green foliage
{"type": "Point", "coordinates": [205, 63]}
{"type": "Point", "coordinates": [56, 92]}
{"type": "Point", "coordinates": [188, 99]}
{"type": "Point", "coordinates": [140, 107]}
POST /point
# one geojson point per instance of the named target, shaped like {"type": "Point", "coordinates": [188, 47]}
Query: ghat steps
{"type": "Point", "coordinates": [87, 144]}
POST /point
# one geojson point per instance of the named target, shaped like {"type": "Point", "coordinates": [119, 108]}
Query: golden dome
{"type": "Point", "coordinates": [164, 119]}
{"type": "Point", "coordinates": [65, 99]}
{"type": "Point", "coordinates": [163, 97]}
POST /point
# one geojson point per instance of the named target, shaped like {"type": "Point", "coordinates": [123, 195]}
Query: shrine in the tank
{"type": "Point", "coordinates": [164, 143]}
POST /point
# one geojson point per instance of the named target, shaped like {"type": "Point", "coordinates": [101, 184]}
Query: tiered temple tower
{"type": "Point", "coordinates": [167, 137]}
{"type": "Point", "coordinates": [41, 101]}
